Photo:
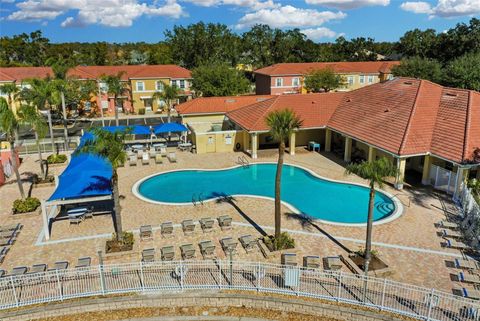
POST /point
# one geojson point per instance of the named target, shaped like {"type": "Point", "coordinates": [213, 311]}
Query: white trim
{"type": "Point", "coordinates": [396, 214]}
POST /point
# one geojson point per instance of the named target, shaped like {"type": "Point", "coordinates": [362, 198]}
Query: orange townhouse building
{"type": "Point", "coordinates": [288, 78]}
{"type": "Point", "coordinates": [141, 82]}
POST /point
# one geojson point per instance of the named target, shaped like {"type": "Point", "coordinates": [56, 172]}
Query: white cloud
{"type": "Point", "coordinates": [319, 33]}
{"type": "Point", "coordinates": [348, 4]}
{"type": "Point", "coordinates": [250, 4]}
{"type": "Point", "coordinates": [444, 8]}
{"type": "Point", "coordinates": [112, 13]}
{"type": "Point", "coordinates": [288, 16]}
{"type": "Point", "coordinates": [417, 7]}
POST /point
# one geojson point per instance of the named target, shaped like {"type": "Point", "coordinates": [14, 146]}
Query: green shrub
{"type": "Point", "coordinates": [125, 244]}
{"type": "Point", "coordinates": [284, 242]}
{"type": "Point", "coordinates": [57, 158]}
{"type": "Point", "coordinates": [29, 204]}
{"type": "Point", "coordinates": [141, 111]}
{"type": "Point", "coordinates": [361, 252]}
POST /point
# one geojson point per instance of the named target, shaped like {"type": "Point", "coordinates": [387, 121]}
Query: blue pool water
{"type": "Point", "coordinates": [318, 198]}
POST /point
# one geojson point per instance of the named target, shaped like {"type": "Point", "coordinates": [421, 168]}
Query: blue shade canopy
{"type": "Point", "coordinates": [86, 175]}
{"type": "Point", "coordinates": [169, 128]}
{"type": "Point", "coordinates": [135, 129]}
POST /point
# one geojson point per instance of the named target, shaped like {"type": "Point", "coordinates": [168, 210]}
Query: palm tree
{"type": "Point", "coordinates": [169, 94]}
{"type": "Point", "coordinates": [29, 115]}
{"type": "Point", "coordinates": [117, 88]}
{"type": "Point", "coordinates": [11, 91]}
{"type": "Point", "coordinates": [282, 124]}
{"type": "Point", "coordinates": [41, 94]}
{"type": "Point", "coordinates": [9, 125]}
{"type": "Point", "coordinates": [109, 145]}
{"type": "Point", "coordinates": [60, 69]}
{"type": "Point", "coordinates": [375, 172]}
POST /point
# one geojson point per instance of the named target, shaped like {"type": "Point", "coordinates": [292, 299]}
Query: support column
{"type": "Point", "coordinates": [348, 150]}
{"type": "Point", "coordinates": [371, 154]}
{"type": "Point", "coordinates": [328, 140]}
{"type": "Point", "coordinates": [254, 138]}
{"type": "Point", "coordinates": [291, 144]}
{"type": "Point", "coordinates": [46, 223]}
{"type": "Point", "coordinates": [401, 163]}
{"type": "Point", "coordinates": [426, 170]}
{"type": "Point", "coordinates": [246, 141]}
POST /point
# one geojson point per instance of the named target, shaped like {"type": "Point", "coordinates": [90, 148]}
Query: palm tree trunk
{"type": "Point", "coordinates": [116, 206]}
{"type": "Point", "coordinates": [40, 158]}
{"type": "Point", "coordinates": [115, 109]}
{"type": "Point", "coordinates": [15, 169]}
{"type": "Point", "coordinates": [50, 127]}
{"type": "Point", "coordinates": [368, 243]}
{"type": "Point", "coordinates": [278, 178]}
{"type": "Point", "coordinates": [64, 111]}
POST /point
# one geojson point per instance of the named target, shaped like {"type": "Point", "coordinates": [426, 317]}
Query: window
{"type": "Point", "coordinates": [159, 85]}
{"type": "Point", "coordinates": [362, 79]}
{"type": "Point", "coordinates": [370, 79]}
{"type": "Point", "coordinates": [174, 83]}
{"type": "Point", "coordinates": [140, 86]}
{"type": "Point", "coordinates": [296, 82]}
{"type": "Point", "coordinates": [279, 82]}
{"type": "Point", "coordinates": [182, 84]}
{"type": "Point", "coordinates": [390, 77]}
{"type": "Point", "coordinates": [350, 80]}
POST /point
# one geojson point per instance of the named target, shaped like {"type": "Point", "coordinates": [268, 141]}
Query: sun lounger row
{"type": "Point", "coordinates": [8, 236]}
{"type": "Point", "coordinates": [207, 249]}
{"type": "Point", "coordinates": [312, 261]}
{"type": "Point", "coordinates": [83, 262]}
{"type": "Point", "coordinates": [188, 227]}
{"type": "Point", "coordinates": [132, 159]}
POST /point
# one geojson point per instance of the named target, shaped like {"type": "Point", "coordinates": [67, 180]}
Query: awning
{"type": "Point", "coordinates": [169, 128]}
{"type": "Point", "coordinates": [135, 129]}
{"type": "Point", "coordinates": [86, 175]}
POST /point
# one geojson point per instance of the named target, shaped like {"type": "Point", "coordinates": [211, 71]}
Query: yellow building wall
{"type": "Point", "coordinates": [218, 142]}
{"type": "Point", "coordinates": [149, 90]}
{"type": "Point", "coordinates": [356, 81]}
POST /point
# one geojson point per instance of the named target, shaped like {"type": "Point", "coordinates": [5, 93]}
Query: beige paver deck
{"type": "Point", "coordinates": [421, 261]}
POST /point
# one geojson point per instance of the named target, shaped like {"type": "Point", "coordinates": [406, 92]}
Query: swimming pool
{"type": "Point", "coordinates": [302, 190]}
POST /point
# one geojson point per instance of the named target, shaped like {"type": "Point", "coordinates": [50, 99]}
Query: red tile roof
{"type": "Point", "coordinates": [217, 105]}
{"type": "Point", "coordinates": [403, 116]}
{"type": "Point", "coordinates": [95, 72]}
{"type": "Point", "coordinates": [21, 73]}
{"type": "Point", "coordinates": [367, 67]}
{"type": "Point", "coordinates": [313, 109]}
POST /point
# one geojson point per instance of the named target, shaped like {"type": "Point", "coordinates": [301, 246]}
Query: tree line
{"type": "Point", "coordinates": [450, 58]}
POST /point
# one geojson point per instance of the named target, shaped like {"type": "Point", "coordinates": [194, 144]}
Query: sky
{"type": "Point", "coordinates": [147, 20]}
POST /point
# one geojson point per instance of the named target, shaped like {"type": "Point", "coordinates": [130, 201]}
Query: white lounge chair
{"type": "Point", "coordinates": [140, 153]}
{"type": "Point", "coordinates": [172, 157]}
{"type": "Point", "coordinates": [158, 159]}
{"type": "Point", "coordinates": [146, 159]}
{"type": "Point", "coordinates": [133, 160]}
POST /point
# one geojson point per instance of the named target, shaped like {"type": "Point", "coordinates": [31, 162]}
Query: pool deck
{"type": "Point", "coordinates": [409, 244]}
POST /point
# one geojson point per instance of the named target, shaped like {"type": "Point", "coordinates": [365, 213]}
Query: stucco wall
{"type": "Point", "coordinates": [217, 142]}
{"type": "Point", "coordinates": [190, 119]}
{"type": "Point", "coordinates": [302, 137]}
{"type": "Point", "coordinates": [149, 89]}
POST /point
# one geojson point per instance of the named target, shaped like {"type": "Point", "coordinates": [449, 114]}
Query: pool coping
{"type": "Point", "coordinates": [399, 208]}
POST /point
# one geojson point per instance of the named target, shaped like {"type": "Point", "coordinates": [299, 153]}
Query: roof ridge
{"type": "Point", "coordinates": [467, 127]}
{"type": "Point", "coordinates": [409, 122]}
{"type": "Point", "coordinates": [269, 106]}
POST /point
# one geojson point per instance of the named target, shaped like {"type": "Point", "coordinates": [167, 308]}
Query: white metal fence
{"type": "Point", "coordinates": [30, 146]}
{"type": "Point", "coordinates": [386, 295]}
{"type": "Point", "coordinates": [442, 179]}
{"type": "Point", "coordinates": [469, 205]}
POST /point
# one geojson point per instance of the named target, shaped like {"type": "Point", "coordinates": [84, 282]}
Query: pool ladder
{"type": "Point", "coordinates": [198, 201]}
{"type": "Point", "coordinates": [242, 160]}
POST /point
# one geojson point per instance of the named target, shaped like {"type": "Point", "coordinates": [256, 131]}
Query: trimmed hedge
{"type": "Point", "coordinates": [27, 205]}
{"type": "Point", "coordinates": [57, 158]}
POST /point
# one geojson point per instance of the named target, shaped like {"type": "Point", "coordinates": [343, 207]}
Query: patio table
{"type": "Point", "coordinates": [184, 146]}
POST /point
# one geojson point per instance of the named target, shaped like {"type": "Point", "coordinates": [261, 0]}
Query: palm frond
{"type": "Point", "coordinates": [375, 172]}
{"type": "Point", "coordinates": [283, 123]}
